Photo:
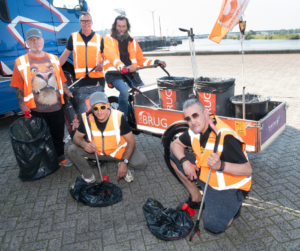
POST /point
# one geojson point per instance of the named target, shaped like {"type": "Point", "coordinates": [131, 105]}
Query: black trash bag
{"type": "Point", "coordinates": [166, 223]}
{"type": "Point", "coordinates": [33, 148]}
{"type": "Point", "coordinates": [102, 194]}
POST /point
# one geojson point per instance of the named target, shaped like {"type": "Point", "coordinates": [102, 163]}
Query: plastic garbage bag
{"type": "Point", "coordinates": [166, 223]}
{"type": "Point", "coordinates": [33, 147]}
{"type": "Point", "coordinates": [102, 194]}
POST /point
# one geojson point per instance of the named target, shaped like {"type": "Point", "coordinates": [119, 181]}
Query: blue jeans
{"type": "Point", "coordinates": [123, 86]}
{"type": "Point", "coordinates": [220, 206]}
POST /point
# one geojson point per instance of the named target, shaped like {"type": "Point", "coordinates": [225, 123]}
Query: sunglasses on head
{"type": "Point", "coordinates": [194, 116]}
{"type": "Point", "coordinates": [101, 107]}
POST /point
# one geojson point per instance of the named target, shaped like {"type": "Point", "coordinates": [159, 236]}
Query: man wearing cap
{"type": "Point", "coordinates": [121, 50]}
{"type": "Point", "coordinates": [87, 48]}
{"type": "Point", "coordinates": [110, 136]}
{"type": "Point", "coordinates": [40, 86]}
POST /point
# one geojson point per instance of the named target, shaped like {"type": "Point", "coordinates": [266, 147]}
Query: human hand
{"type": "Point", "coordinates": [99, 68]}
{"type": "Point", "coordinates": [122, 170]}
{"type": "Point", "coordinates": [68, 93]}
{"type": "Point", "coordinates": [162, 63]}
{"type": "Point", "coordinates": [24, 108]}
{"type": "Point", "coordinates": [131, 68]}
{"type": "Point", "coordinates": [90, 148]}
{"type": "Point", "coordinates": [214, 161]}
{"type": "Point", "coordinates": [190, 170]}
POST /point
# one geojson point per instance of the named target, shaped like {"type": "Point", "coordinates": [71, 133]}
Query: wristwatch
{"type": "Point", "coordinates": [125, 161]}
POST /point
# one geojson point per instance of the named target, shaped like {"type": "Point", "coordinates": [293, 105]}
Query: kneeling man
{"type": "Point", "coordinates": [230, 178]}
{"type": "Point", "coordinates": [112, 140]}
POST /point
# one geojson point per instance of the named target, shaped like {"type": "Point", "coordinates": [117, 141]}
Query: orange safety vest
{"type": "Point", "coordinates": [89, 55]}
{"type": "Point", "coordinates": [112, 60]}
{"type": "Point", "coordinates": [23, 66]}
{"type": "Point", "coordinates": [218, 180]}
{"type": "Point", "coordinates": [110, 142]}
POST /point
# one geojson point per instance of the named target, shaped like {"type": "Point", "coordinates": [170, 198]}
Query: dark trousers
{"type": "Point", "coordinates": [56, 124]}
{"type": "Point", "coordinates": [91, 81]}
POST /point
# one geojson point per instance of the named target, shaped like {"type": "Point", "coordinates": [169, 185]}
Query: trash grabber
{"type": "Point", "coordinates": [136, 89]}
{"type": "Point", "coordinates": [82, 77]}
{"type": "Point", "coordinates": [164, 70]}
{"type": "Point", "coordinates": [196, 228]}
{"type": "Point", "coordinates": [147, 66]}
{"type": "Point", "coordinates": [90, 136]}
{"type": "Point", "coordinates": [192, 50]}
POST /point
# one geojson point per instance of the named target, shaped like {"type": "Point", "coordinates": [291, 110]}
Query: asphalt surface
{"type": "Point", "coordinates": [42, 215]}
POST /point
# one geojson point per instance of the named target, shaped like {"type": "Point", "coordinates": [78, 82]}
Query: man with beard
{"type": "Point", "coordinates": [121, 50]}
{"type": "Point", "coordinates": [87, 47]}
{"type": "Point", "coordinates": [40, 86]}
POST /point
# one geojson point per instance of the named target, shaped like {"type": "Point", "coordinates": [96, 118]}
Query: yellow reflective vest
{"type": "Point", "coordinates": [112, 60]}
{"type": "Point", "coordinates": [23, 66]}
{"type": "Point", "coordinates": [89, 55]}
{"type": "Point", "coordinates": [110, 142]}
{"type": "Point", "coordinates": [218, 180]}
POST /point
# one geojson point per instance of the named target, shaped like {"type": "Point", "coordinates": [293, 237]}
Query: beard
{"type": "Point", "coordinates": [121, 37]}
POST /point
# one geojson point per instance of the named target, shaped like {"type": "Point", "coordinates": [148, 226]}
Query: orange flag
{"type": "Point", "coordinates": [230, 14]}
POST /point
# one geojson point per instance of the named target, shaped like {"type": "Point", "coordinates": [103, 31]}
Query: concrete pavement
{"type": "Point", "coordinates": [42, 215]}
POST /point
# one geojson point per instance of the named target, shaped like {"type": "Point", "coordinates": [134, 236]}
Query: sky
{"type": "Point", "coordinates": [200, 15]}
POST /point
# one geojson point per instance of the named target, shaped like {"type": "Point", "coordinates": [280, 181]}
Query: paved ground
{"type": "Point", "coordinates": [41, 215]}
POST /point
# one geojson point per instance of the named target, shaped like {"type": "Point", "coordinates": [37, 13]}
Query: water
{"type": "Point", "coordinates": [235, 45]}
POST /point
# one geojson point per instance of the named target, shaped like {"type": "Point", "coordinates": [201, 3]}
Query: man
{"type": "Point", "coordinates": [87, 48]}
{"type": "Point", "coordinates": [230, 178]}
{"type": "Point", "coordinates": [40, 86]}
{"type": "Point", "coordinates": [121, 50]}
{"type": "Point", "coordinates": [111, 138]}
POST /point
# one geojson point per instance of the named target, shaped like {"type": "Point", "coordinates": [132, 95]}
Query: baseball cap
{"type": "Point", "coordinates": [98, 97]}
{"type": "Point", "coordinates": [33, 33]}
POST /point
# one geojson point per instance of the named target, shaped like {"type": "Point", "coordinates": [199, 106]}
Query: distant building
{"type": "Point", "coordinates": [103, 32]}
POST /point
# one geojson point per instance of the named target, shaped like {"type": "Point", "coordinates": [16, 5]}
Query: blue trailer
{"type": "Point", "coordinates": [57, 19]}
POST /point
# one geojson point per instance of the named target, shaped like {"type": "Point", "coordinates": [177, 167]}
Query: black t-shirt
{"type": "Point", "coordinates": [125, 127]}
{"type": "Point", "coordinates": [85, 39]}
{"type": "Point", "coordinates": [232, 148]}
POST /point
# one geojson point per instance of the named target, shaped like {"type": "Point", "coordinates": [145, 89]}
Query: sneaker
{"type": "Point", "coordinates": [63, 161]}
{"type": "Point", "coordinates": [90, 180]}
{"type": "Point", "coordinates": [194, 204]}
{"type": "Point", "coordinates": [128, 177]}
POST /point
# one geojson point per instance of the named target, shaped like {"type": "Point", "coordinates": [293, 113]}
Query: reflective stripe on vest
{"type": "Point", "coordinates": [116, 63]}
{"type": "Point", "coordinates": [23, 66]}
{"type": "Point", "coordinates": [111, 140]}
{"type": "Point", "coordinates": [93, 57]}
{"type": "Point", "coordinates": [218, 180]}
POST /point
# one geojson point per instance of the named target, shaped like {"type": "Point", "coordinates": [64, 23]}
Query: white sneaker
{"type": "Point", "coordinates": [128, 177]}
{"type": "Point", "coordinates": [90, 180]}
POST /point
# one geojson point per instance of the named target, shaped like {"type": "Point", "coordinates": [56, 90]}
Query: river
{"type": "Point", "coordinates": [235, 45]}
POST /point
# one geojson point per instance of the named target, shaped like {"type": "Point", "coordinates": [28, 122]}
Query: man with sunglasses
{"type": "Point", "coordinates": [230, 178]}
{"type": "Point", "coordinates": [112, 140]}
{"type": "Point", "coordinates": [87, 47]}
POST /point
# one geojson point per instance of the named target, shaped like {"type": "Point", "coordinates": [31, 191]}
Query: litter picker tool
{"type": "Point", "coordinates": [242, 26]}
{"type": "Point", "coordinates": [192, 50]}
{"type": "Point", "coordinates": [196, 228]}
{"type": "Point", "coordinates": [81, 78]}
{"type": "Point", "coordinates": [136, 89]}
{"type": "Point", "coordinates": [90, 136]}
{"type": "Point", "coordinates": [165, 70]}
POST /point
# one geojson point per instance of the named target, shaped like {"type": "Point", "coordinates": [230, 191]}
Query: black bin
{"type": "Point", "coordinates": [173, 91]}
{"type": "Point", "coordinates": [214, 94]}
{"type": "Point", "coordinates": [256, 106]}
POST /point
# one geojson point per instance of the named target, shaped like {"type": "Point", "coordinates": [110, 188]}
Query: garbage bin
{"type": "Point", "coordinates": [33, 147]}
{"type": "Point", "coordinates": [214, 94]}
{"type": "Point", "coordinates": [173, 91]}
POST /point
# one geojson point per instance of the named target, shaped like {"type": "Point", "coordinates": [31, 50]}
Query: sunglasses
{"type": "Point", "coordinates": [86, 21]}
{"type": "Point", "coordinates": [101, 107]}
{"type": "Point", "coordinates": [194, 116]}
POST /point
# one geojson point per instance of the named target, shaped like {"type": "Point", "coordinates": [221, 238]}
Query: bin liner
{"type": "Point", "coordinates": [33, 147]}
{"type": "Point", "coordinates": [102, 194]}
{"type": "Point", "coordinates": [166, 223]}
